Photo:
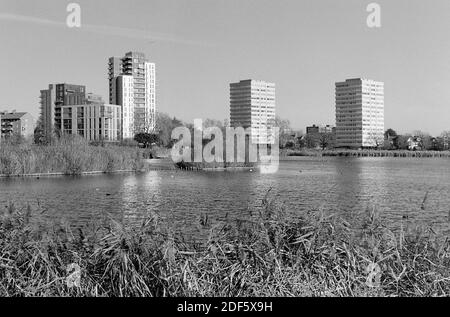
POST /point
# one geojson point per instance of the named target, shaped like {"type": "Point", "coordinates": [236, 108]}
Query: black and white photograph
{"type": "Point", "coordinates": [243, 150]}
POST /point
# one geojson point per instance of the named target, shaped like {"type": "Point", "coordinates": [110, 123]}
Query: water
{"type": "Point", "coordinates": [348, 186]}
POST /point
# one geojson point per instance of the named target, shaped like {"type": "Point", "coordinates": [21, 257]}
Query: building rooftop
{"type": "Point", "coordinates": [12, 115]}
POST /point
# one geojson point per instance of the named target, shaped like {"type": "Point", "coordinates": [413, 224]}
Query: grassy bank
{"type": "Point", "coordinates": [370, 153]}
{"type": "Point", "coordinates": [70, 156]}
{"type": "Point", "coordinates": [272, 255]}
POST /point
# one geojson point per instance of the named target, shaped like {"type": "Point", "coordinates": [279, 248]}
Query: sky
{"type": "Point", "coordinates": [201, 46]}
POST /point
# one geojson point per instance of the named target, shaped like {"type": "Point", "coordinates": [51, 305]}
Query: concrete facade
{"type": "Point", "coordinates": [17, 123]}
{"type": "Point", "coordinates": [359, 113]}
{"type": "Point", "coordinates": [252, 105]}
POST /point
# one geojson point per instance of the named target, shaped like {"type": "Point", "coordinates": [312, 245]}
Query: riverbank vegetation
{"type": "Point", "coordinates": [67, 155]}
{"type": "Point", "coordinates": [369, 153]}
{"type": "Point", "coordinates": [270, 254]}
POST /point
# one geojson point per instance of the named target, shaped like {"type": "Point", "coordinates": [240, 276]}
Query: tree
{"type": "Point", "coordinates": [426, 139]}
{"type": "Point", "coordinates": [324, 140]}
{"type": "Point", "coordinates": [285, 134]}
{"type": "Point", "coordinates": [402, 142]}
{"type": "Point", "coordinates": [208, 123]}
{"type": "Point", "coordinates": [147, 139]}
{"type": "Point", "coordinates": [445, 139]}
{"type": "Point", "coordinates": [39, 134]}
{"type": "Point", "coordinates": [390, 133]}
{"type": "Point", "coordinates": [375, 139]}
{"type": "Point", "coordinates": [309, 141]}
{"type": "Point", "coordinates": [164, 127]}
{"type": "Point", "coordinates": [437, 144]}
{"type": "Point", "coordinates": [391, 139]}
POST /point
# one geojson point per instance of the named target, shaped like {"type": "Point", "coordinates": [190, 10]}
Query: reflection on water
{"type": "Point", "coordinates": [134, 201]}
{"type": "Point", "coordinates": [346, 186]}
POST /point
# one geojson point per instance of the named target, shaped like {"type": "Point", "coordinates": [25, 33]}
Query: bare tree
{"type": "Point", "coordinates": [445, 139]}
{"type": "Point", "coordinates": [376, 139]}
{"type": "Point", "coordinates": [324, 140]}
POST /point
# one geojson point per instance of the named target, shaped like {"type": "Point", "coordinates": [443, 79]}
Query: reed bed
{"type": "Point", "coordinates": [68, 155]}
{"type": "Point", "coordinates": [270, 255]}
{"type": "Point", "coordinates": [371, 153]}
{"type": "Point", "coordinates": [388, 153]}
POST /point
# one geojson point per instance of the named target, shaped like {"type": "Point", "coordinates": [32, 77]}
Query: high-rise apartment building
{"type": "Point", "coordinates": [252, 105]}
{"type": "Point", "coordinates": [132, 85]}
{"type": "Point", "coordinates": [359, 113]}
{"type": "Point", "coordinates": [53, 98]}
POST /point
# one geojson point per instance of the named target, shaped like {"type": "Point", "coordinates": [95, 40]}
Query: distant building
{"type": "Point", "coordinates": [132, 84]}
{"type": "Point", "coordinates": [359, 113]}
{"type": "Point", "coordinates": [321, 136]}
{"type": "Point", "coordinates": [93, 98]}
{"type": "Point", "coordinates": [53, 99]}
{"type": "Point", "coordinates": [252, 105]}
{"type": "Point", "coordinates": [94, 121]}
{"type": "Point", "coordinates": [415, 143]}
{"type": "Point", "coordinates": [17, 123]}
{"type": "Point", "coordinates": [319, 129]}
{"type": "Point", "coordinates": [68, 109]}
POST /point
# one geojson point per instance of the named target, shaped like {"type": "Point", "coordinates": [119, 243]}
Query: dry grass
{"type": "Point", "coordinates": [68, 155]}
{"type": "Point", "coordinates": [273, 255]}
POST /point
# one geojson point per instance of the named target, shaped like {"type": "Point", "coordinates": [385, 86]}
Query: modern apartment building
{"type": "Point", "coordinates": [132, 85]}
{"type": "Point", "coordinates": [359, 113]}
{"type": "Point", "coordinates": [252, 105]}
{"type": "Point", "coordinates": [93, 121]}
{"type": "Point", "coordinates": [68, 109]}
{"type": "Point", "coordinates": [53, 99]}
{"type": "Point", "coordinates": [16, 123]}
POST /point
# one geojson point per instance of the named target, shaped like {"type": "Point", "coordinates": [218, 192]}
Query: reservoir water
{"type": "Point", "coordinates": [396, 187]}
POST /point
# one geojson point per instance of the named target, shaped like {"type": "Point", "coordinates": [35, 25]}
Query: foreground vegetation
{"type": "Point", "coordinates": [68, 155]}
{"type": "Point", "coordinates": [270, 255]}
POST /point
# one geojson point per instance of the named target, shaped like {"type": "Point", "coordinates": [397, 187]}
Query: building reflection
{"type": "Point", "coordinates": [140, 196]}
{"type": "Point", "coordinates": [360, 184]}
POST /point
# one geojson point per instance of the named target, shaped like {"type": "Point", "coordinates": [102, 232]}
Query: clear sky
{"type": "Point", "coordinates": [200, 46]}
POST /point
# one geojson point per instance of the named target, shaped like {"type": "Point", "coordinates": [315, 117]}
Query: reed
{"type": "Point", "coordinates": [68, 155]}
{"type": "Point", "coordinates": [371, 153]}
{"type": "Point", "coordinates": [271, 254]}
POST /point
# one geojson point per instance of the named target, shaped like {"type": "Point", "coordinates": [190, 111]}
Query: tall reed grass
{"type": "Point", "coordinates": [272, 255]}
{"type": "Point", "coordinates": [68, 155]}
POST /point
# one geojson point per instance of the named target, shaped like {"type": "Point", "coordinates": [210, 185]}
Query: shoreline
{"type": "Point", "coordinates": [165, 163]}
{"type": "Point", "coordinates": [368, 153]}
{"type": "Point", "coordinates": [59, 174]}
